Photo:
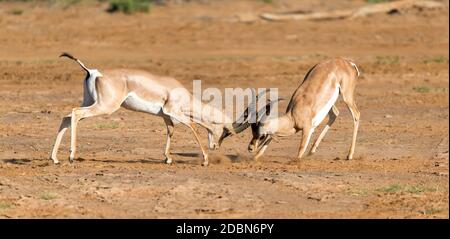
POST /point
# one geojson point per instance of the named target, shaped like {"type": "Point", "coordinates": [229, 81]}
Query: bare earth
{"type": "Point", "coordinates": [401, 165]}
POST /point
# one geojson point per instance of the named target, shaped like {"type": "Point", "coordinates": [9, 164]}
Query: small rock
{"type": "Point", "coordinates": [291, 37]}
{"type": "Point", "coordinates": [315, 198]}
{"type": "Point", "coordinates": [272, 180]}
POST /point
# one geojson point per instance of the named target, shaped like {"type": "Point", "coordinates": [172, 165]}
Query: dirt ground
{"type": "Point", "coordinates": [401, 165]}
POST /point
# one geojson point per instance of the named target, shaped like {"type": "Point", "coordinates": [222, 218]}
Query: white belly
{"type": "Point", "coordinates": [134, 102]}
{"type": "Point", "coordinates": [318, 118]}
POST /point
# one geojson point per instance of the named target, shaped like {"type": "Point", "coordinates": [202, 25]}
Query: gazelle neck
{"type": "Point", "coordinates": [211, 118]}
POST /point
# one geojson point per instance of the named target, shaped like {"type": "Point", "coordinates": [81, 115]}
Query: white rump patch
{"type": "Point", "coordinates": [90, 93]}
{"type": "Point", "coordinates": [324, 111]}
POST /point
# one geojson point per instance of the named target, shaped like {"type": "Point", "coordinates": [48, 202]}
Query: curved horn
{"type": "Point", "coordinates": [242, 123]}
{"type": "Point", "coordinates": [248, 113]}
{"type": "Point", "coordinates": [265, 111]}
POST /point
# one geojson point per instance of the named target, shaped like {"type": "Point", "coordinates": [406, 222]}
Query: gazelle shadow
{"type": "Point", "coordinates": [16, 161]}
{"type": "Point", "coordinates": [146, 161]}
{"type": "Point", "coordinates": [234, 158]}
{"type": "Point", "coordinates": [190, 155]}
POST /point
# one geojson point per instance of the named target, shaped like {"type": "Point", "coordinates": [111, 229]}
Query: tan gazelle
{"type": "Point", "coordinates": [137, 90]}
{"type": "Point", "coordinates": [311, 102]}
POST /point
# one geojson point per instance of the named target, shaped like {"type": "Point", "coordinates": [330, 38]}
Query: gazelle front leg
{"type": "Point", "coordinates": [186, 121]}
{"type": "Point", "coordinates": [306, 136]}
{"type": "Point", "coordinates": [205, 155]}
{"type": "Point", "coordinates": [262, 150]}
{"type": "Point", "coordinates": [170, 129]}
{"type": "Point", "coordinates": [65, 123]}
{"type": "Point", "coordinates": [332, 115]}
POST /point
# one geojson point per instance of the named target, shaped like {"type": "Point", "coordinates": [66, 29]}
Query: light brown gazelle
{"type": "Point", "coordinates": [137, 90]}
{"type": "Point", "coordinates": [309, 105]}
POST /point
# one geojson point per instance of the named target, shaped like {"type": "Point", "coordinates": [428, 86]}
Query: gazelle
{"type": "Point", "coordinates": [309, 105]}
{"type": "Point", "coordinates": [137, 90]}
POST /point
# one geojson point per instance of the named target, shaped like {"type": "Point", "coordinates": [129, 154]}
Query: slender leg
{"type": "Point", "coordinates": [186, 121]}
{"type": "Point", "coordinates": [306, 136]}
{"type": "Point", "coordinates": [348, 95]}
{"type": "Point", "coordinates": [355, 114]}
{"type": "Point", "coordinates": [77, 115]}
{"type": "Point", "coordinates": [205, 156]}
{"type": "Point", "coordinates": [170, 129]}
{"type": "Point", "coordinates": [262, 150]}
{"type": "Point", "coordinates": [332, 115]}
{"type": "Point", "coordinates": [65, 123]}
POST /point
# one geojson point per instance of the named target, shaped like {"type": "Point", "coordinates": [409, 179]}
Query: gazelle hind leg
{"type": "Point", "coordinates": [348, 85]}
{"type": "Point", "coordinates": [306, 136]}
{"type": "Point", "coordinates": [355, 114]}
{"type": "Point", "coordinates": [332, 115]}
{"type": "Point", "coordinates": [170, 130]}
{"type": "Point", "coordinates": [351, 105]}
{"type": "Point", "coordinates": [82, 113]}
{"type": "Point", "coordinates": [65, 123]}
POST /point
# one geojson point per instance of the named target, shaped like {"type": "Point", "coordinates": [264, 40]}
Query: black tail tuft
{"type": "Point", "coordinates": [65, 54]}
{"type": "Point", "coordinates": [68, 55]}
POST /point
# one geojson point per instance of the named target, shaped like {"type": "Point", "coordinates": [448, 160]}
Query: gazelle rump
{"type": "Point", "coordinates": [137, 90]}
{"type": "Point", "coordinates": [311, 102]}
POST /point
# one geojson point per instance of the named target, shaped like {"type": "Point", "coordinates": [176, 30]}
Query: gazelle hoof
{"type": "Point", "coordinates": [205, 160]}
{"type": "Point", "coordinates": [168, 160]}
{"type": "Point", "coordinates": [55, 160]}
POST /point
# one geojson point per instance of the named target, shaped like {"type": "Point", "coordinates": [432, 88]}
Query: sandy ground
{"type": "Point", "coordinates": [400, 168]}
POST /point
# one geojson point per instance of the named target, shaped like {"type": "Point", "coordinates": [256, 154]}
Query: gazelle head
{"type": "Point", "coordinates": [219, 131]}
{"type": "Point", "coordinates": [224, 131]}
{"type": "Point", "coordinates": [215, 134]}
{"type": "Point", "coordinates": [243, 122]}
{"type": "Point", "coordinates": [263, 128]}
{"type": "Point", "coordinates": [258, 121]}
